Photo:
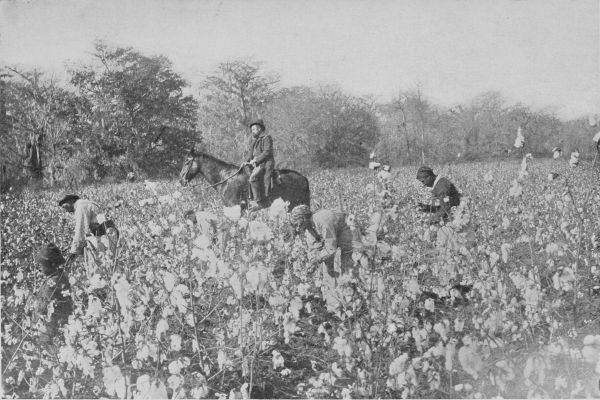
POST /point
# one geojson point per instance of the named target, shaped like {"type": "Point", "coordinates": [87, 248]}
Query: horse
{"type": "Point", "coordinates": [232, 182]}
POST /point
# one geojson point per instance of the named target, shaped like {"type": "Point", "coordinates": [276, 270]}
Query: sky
{"type": "Point", "coordinates": [542, 53]}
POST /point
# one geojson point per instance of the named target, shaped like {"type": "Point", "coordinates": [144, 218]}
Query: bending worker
{"type": "Point", "coordinates": [325, 232]}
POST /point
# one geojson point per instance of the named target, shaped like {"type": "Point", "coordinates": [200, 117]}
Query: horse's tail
{"type": "Point", "coordinates": [306, 192]}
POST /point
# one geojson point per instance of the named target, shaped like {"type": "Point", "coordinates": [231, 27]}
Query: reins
{"type": "Point", "coordinates": [220, 182]}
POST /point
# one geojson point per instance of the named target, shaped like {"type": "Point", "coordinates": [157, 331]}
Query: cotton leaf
{"type": "Point", "coordinates": [296, 306]}
{"type": "Point", "coordinates": [174, 367]}
{"type": "Point", "coordinates": [505, 250]}
{"type": "Point", "coordinates": [257, 276]}
{"type": "Point", "coordinates": [341, 345]}
{"type": "Point", "coordinates": [114, 382]}
{"type": "Point", "coordinates": [166, 199]}
{"type": "Point", "coordinates": [236, 285]}
{"type": "Point", "coordinates": [259, 231]}
{"type": "Point", "coordinates": [177, 297]}
{"type": "Point", "coordinates": [175, 342]}
{"type": "Point", "coordinates": [398, 365]}
{"type": "Point", "coordinates": [175, 381]}
{"type": "Point", "coordinates": [170, 280]}
{"type": "Point", "coordinates": [221, 359]}
{"type": "Point", "coordinates": [96, 282]}
{"type": "Point", "coordinates": [148, 201]}
{"type": "Point", "coordinates": [161, 327]}
{"type": "Point", "coordinates": [450, 351]}
{"type": "Point", "coordinates": [233, 213]}
{"type": "Point", "coordinates": [147, 389]}
{"type": "Point", "coordinates": [470, 360]}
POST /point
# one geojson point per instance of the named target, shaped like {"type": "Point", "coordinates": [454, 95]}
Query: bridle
{"type": "Point", "coordinates": [189, 162]}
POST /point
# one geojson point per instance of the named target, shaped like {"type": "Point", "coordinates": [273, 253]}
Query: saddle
{"type": "Point", "coordinates": [275, 181]}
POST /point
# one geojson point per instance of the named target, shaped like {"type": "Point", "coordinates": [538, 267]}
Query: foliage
{"type": "Point", "coordinates": [230, 308]}
{"type": "Point", "coordinates": [236, 93]}
{"type": "Point", "coordinates": [39, 117]}
{"type": "Point", "coordinates": [325, 128]}
{"type": "Point", "coordinates": [135, 114]}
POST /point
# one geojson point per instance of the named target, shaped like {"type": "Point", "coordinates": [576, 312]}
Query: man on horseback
{"type": "Point", "coordinates": [262, 160]}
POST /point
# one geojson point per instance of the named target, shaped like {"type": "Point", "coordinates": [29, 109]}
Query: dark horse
{"type": "Point", "coordinates": [232, 183]}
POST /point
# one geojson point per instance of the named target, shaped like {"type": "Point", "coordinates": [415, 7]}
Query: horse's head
{"type": "Point", "coordinates": [190, 168]}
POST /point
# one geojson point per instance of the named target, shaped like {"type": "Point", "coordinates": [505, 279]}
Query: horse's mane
{"type": "Point", "coordinates": [215, 159]}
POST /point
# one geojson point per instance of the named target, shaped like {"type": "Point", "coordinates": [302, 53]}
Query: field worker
{"type": "Point", "coordinates": [205, 221]}
{"type": "Point", "coordinates": [262, 160]}
{"type": "Point", "coordinates": [325, 231]}
{"type": "Point", "coordinates": [86, 217]}
{"type": "Point", "coordinates": [444, 195]}
{"type": "Point", "coordinates": [55, 290]}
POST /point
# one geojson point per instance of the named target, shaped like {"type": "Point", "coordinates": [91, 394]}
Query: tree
{"type": "Point", "coordinates": [410, 128]}
{"type": "Point", "coordinates": [135, 114]}
{"type": "Point", "coordinates": [323, 127]}
{"type": "Point", "coordinates": [37, 116]}
{"type": "Point", "coordinates": [237, 92]}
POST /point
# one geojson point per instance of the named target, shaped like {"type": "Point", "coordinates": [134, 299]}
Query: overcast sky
{"type": "Point", "coordinates": [544, 53]}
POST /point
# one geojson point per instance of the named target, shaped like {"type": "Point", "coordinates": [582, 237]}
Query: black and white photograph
{"type": "Point", "coordinates": [299, 199]}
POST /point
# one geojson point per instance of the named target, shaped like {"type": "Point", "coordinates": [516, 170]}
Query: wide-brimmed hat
{"type": "Point", "coordinates": [49, 256]}
{"type": "Point", "coordinates": [68, 199]}
{"type": "Point", "coordinates": [300, 212]}
{"type": "Point", "coordinates": [259, 122]}
{"type": "Point", "coordinates": [424, 172]}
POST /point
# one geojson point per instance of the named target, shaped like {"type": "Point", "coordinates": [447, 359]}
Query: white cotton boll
{"type": "Point", "coordinates": [516, 189]}
{"type": "Point", "coordinates": [278, 209]}
{"type": "Point", "coordinates": [259, 231]}
{"type": "Point", "coordinates": [384, 175]}
{"type": "Point", "coordinates": [374, 165]}
{"type": "Point", "coordinates": [597, 137]}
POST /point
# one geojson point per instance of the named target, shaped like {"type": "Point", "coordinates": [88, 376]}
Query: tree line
{"type": "Point", "coordinates": [126, 114]}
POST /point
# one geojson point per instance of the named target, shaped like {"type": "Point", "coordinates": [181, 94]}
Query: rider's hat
{"type": "Point", "coordinates": [259, 122]}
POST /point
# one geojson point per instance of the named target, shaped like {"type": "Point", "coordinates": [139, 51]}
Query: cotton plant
{"type": "Point", "coordinates": [574, 160]}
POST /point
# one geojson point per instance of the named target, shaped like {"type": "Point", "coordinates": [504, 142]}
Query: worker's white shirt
{"type": "Point", "coordinates": [86, 213]}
